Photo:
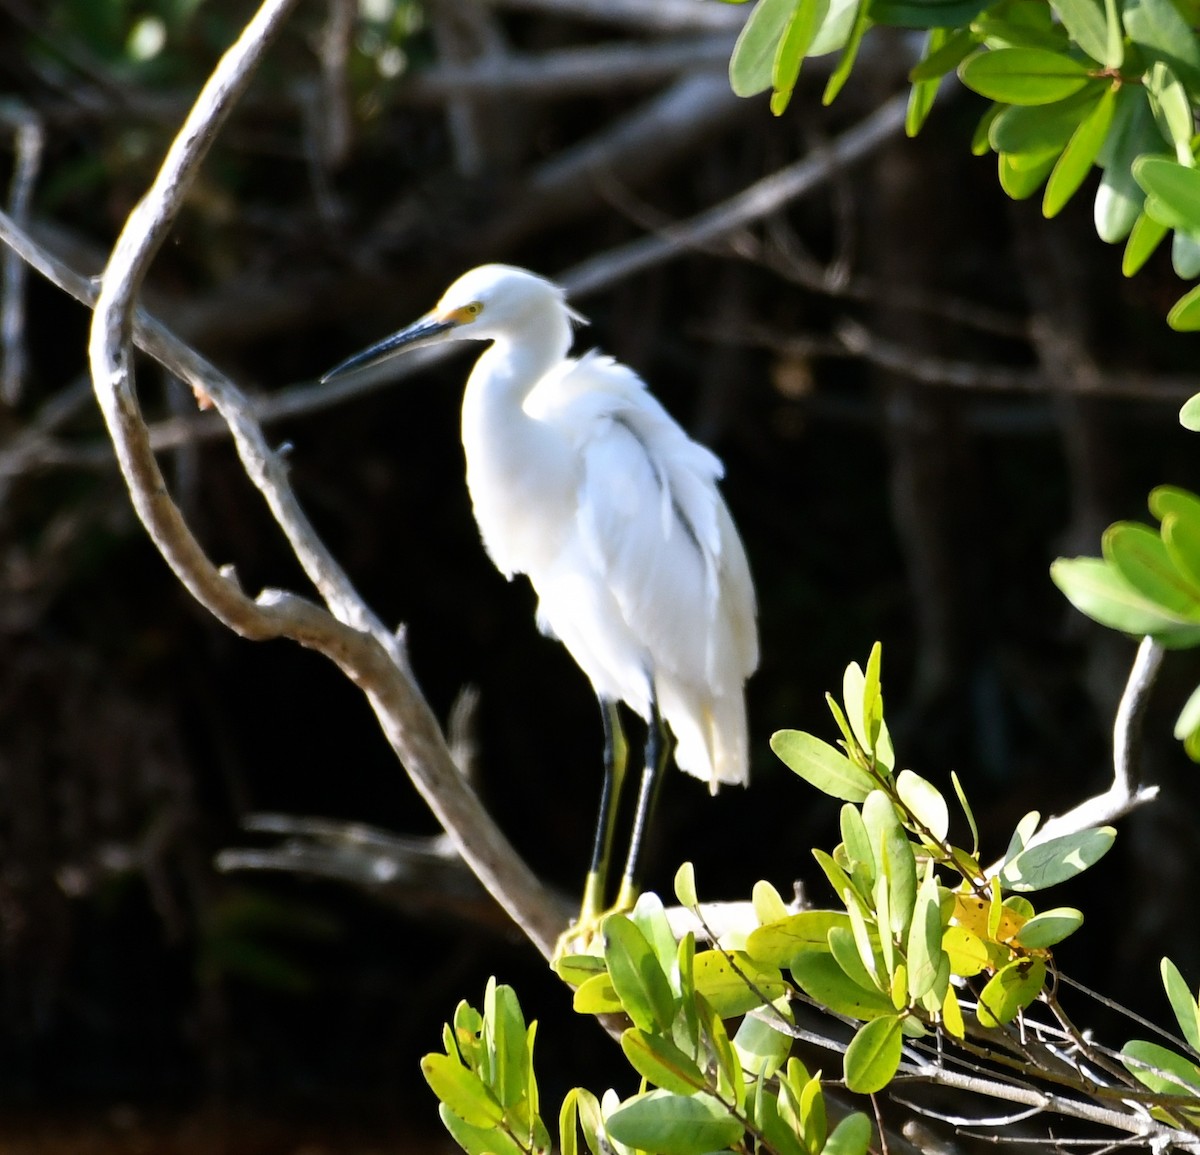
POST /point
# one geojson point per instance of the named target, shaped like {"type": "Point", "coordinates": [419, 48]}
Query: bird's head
{"type": "Point", "coordinates": [485, 304]}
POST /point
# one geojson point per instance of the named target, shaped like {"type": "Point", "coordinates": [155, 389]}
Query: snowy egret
{"type": "Point", "coordinates": [581, 480]}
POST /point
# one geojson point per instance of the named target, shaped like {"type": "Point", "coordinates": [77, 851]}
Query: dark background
{"type": "Point", "coordinates": [151, 1003]}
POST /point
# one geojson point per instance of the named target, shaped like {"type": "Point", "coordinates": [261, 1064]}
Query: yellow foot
{"type": "Point", "coordinates": [583, 936]}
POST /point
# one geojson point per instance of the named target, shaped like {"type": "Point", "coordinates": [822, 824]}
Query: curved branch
{"type": "Point", "coordinates": [349, 636]}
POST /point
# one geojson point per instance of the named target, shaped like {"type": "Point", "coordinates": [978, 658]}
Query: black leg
{"type": "Point", "coordinates": [658, 751]}
{"type": "Point", "coordinates": [616, 756]}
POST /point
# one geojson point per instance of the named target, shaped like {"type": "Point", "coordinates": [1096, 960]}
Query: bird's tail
{"type": "Point", "coordinates": [710, 733]}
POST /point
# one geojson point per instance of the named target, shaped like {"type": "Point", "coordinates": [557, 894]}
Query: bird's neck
{"type": "Point", "coordinates": [503, 378]}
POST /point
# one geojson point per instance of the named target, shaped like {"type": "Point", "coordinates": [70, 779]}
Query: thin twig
{"type": "Point", "coordinates": [759, 200]}
{"type": "Point", "coordinates": [28, 144]}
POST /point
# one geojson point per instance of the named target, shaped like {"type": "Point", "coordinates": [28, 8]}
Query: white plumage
{"type": "Point", "coordinates": [580, 479]}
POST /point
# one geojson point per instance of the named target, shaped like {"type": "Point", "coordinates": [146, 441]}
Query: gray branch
{"type": "Point", "coordinates": [349, 635]}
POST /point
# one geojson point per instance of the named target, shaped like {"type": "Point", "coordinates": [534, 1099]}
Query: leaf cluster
{"type": "Point", "coordinates": [922, 919]}
{"type": "Point", "coordinates": [926, 944]}
{"type": "Point", "coordinates": [1147, 584]}
{"type": "Point", "coordinates": [1073, 84]}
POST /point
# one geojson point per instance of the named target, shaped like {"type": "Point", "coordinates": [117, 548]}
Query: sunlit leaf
{"type": "Point", "coordinates": [1056, 860]}
{"type": "Point", "coordinates": [1084, 20]}
{"type": "Point", "coordinates": [673, 1124]}
{"type": "Point", "coordinates": [734, 983]}
{"type": "Point", "coordinates": [1184, 317]}
{"type": "Point", "coordinates": [822, 766]}
{"type": "Point", "coordinates": [659, 1061]}
{"type": "Point", "coordinates": [1141, 557]}
{"type": "Point", "coordinates": [1145, 236]}
{"type": "Point", "coordinates": [768, 903]}
{"type": "Point", "coordinates": [1160, 1069]}
{"type": "Point", "coordinates": [1049, 927]}
{"type": "Point", "coordinates": [822, 979]}
{"type": "Point", "coordinates": [894, 855]}
{"type": "Point", "coordinates": [761, 1046]}
{"type": "Point", "coordinates": [873, 1055]}
{"type": "Point", "coordinates": [1042, 128]}
{"type": "Point", "coordinates": [925, 938]}
{"type": "Point", "coordinates": [1119, 198]}
{"type": "Point", "coordinates": [597, 996]}
{"type": "Point", "coordinates": [1076, 161]}
{"type": "Point", "coordinates": [1157, 27]}
{"type": "Point", "coordinates": [852, 1136]}
{"type": "Point", "coordinates": [637, 975]}
{"type": "Point", "coordinates": [477, 1140]}
{"type": "Point", "coordinates": [461, 1090]}
{"type": "Point", "coordinates": [1021, 174]}
{"type": "Point", "coordinates": [844, 948]}
{"type": "Point", "coordinates": [924, 802]}
{"type": "Point", "coordinates": [1183, 1003]}
{"type": "Point", "coordinates": [777, 943]}
{"type": "Point", "coordinates": [1023, 75]}
{"type": "Point", "coordinates": [1009, 991]}
{"type": "Point", "coordinates": [506, 1055]}
{"type": "Point", "coordinates": [753, 59]}
{"type": "Point", "coordinates": [1097, 590]}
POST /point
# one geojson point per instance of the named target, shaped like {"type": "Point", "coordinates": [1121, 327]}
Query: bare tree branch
{"type": "Point", "coordinates": [353, 638]}
{"type": "Point", "coordinates": [640, 15]}
{"type": "Point", "coordinates": [28, 143]}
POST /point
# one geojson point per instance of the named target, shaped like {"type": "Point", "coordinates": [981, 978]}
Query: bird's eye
{"type": "Point", "coordinates": [473, 309]}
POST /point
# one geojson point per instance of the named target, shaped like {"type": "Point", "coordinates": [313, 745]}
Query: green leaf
{"type": "Point", "coordinates": [924, 802]}
{"type": "Point", "coordinates": [872, 698]}
{"type": "Point", "coordinates": [968, 952]}
{"type": "Point", "coordinates": [685, 885]}
{"type": "Point", "coordinates": [844, 948]}
{"type": "Point", "coordinates": [1076, 161]}
{"type": "Point", "coordinates": [568, 1124]}
{"type": "Point", "coordinates": [731, 1083]}
{"type": "Point", "coordinates": [794, 46]}
{"type": "Point", "coordinates": [637, 976]}
{"type": "Point", "coordinates": [462, 1091]}
{"type": "Point", "coordinates": [845, 64]}
{"type": "Point", "coordinates": [1157, 27]}
{"type": "Point", "coordinates": [873, 1055]}
{"type": "Point", "coordinates": [1183, 1003]}
{"type": "Point", "coordinates": [1184, 317]}
{"type": "Point", "coordinates": [1141, 558]}
{"type": "Point", "coordinates": [1181, 536]}
{"type": "Point", "coordinates": [945, 49]}
{"type": "Point", "coordinates": [734, 983]}
{"type": "Point", "coordinates": [768, 904]}
{"type": "Point", "coordinates": [1049, 863]}
{"type": "Point", "coordinates": [1185, 255]}
{"type": "Point", "coordinates": [835, 28]}
{"type": "Point", "coordinates": [1119, 198]}
{"type": "Point", "coordinates": [1175, 191]}
{"type": "Point", "coordinates": [820, 765]}
{"type": "Point", "coordinates": [1114, 48]}
{"type": "Point", "coordinates": [1010, 990]}
{"type": "Point", "coordinates": [597, 996]}
{"type": "Point", "coordinates": [1023, 75]}
{"type": "Point", "coordinates": [1171, 108]}
{"type": "Point", "coordinates": [1049, 928]}
{"type": "Point", "coordinates": [852, 1136]}
{"type": "Point", "coordinates": [1021, 176]}
{"type": "Point", "coordinates": [780, 1132]}
{"type": "Point", "coordinates": [762, 1048]}
{"type": "Point", "coordinates": [506, 1054]}
{"type": "Point", "coordinates": [1161, 1070]}
{"type": "Point", "coordinates": [671, 1124]}
{"type": "Point", "coordinates": [1096, 589]}
{"type": "Point", "coordinates": [1188, 722]}
{"type": "Point", "coordinates": [821, 978]}
{"type": "Point", "coordinates": [476, 1140]}
{"type": "Point", "coordinates": [925, 938]}
{"type": "Point", "coordinates": [1085, 22]}
{"type": "Point", "coordinates": [660, 1062]}
{"type": "Point", "coordinates": [1147, 234]}
{"type": "Point", "coordinates": [856, 840]}
{"type": "Point", "coordinates": [777, 943]}
{"type": "Point", "coordinates": [1042, 128]}
{"type": "Point", "coordinates": [966, 807]}
{"type": "Point", "coordinates": [894, 853]}
{"type": "Point", "coordinates": [753, 60]}
{"type": "Point", "coordinates": [1189, 412]}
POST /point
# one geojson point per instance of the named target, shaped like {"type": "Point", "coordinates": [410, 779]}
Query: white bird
{"type": "Point", "coordinates": [581, 480]}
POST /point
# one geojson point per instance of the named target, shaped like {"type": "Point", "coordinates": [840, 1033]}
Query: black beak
{"type": "Point", "coordinates": [421, 332]}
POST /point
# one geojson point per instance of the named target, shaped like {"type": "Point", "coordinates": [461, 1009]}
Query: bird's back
{"type": "Point", "coordinates": [652, 583]}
